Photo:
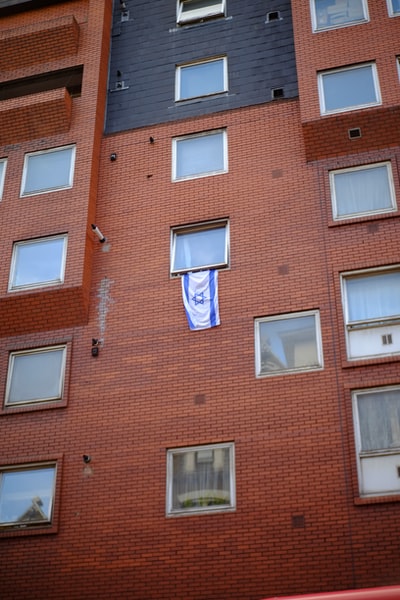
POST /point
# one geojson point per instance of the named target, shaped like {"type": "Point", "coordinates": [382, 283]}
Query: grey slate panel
{"type": "Point", "coordinates": [147, 47]}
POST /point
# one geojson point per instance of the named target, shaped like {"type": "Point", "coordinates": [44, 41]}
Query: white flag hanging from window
{"type": "Point", "coordinates": [200, 299]}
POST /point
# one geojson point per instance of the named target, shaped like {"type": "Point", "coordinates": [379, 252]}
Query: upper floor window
{"type": "Point", "coordinates": [201, 246]}
{"type": "Point", "coordinates": [329, 14]}
{"type": "Point", "coordinates": [349, 88]}
{"type": "Point", "coordinates": [362, 190]}
{"type": "Point", "coordinates": [35, 376]}
{"type": "Point", "coordinates": [393, 7]}
{"type": "Point", "coordinates": [288, 343]}
{"type": "Point", "coordinates": [48, 171]}
{"type": "Point", "coordinates": [377, 432]}
{"type": "Point", "coordinates": [200, 479]}
{"type": "Point", "coordinates": [3, 164]}
{"type": "Point", "coordinates": [201, 79]}
{"type": "Point", "coordinates": [27, 495]}
{"type": "Point", "coordinates": [197, 10]}
{"type": "Point", "coordinates": [371, 302]}
{"type": "Point", "coordinates": [38, 262]}
{"type": "Point", "coordinates": [199, 155]}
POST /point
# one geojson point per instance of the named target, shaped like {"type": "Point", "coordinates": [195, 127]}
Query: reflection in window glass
{"type": "Point", "coordinates": [201, 79]}
{"type": "Point", "coordinates": [337, 13]}
{"type": "Point", "coordinates": [394, 7]}
{"type": "Point", "coordinates": [36, 375]}
{"type": "Point", "coordinates": [288, 343]}
{"type": "Point", "coordinates": [46, 171]}
{"type": "Point", "coordinates": [200, 155]}
{"type": "Point", "coordinates": [39, 262]}
{"type": "Point", "coordinates": [26, 495]}
{"type": "Point", "coordinates": [3, 164]}
{"type": "Point", "coordinates": [349, 88]}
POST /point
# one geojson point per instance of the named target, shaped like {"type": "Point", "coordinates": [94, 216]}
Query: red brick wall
{"type": "Point", "coordinates": [293, 434]}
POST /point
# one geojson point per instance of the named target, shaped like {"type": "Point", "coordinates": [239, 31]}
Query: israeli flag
{"type": "Point", "coordinates": [200, 299]}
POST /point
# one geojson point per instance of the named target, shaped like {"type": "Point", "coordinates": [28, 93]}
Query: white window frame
{"type": "Point", "coordinates": [317, 28]}
{"type": "Point", "coordinates": [391, 12]}
{"type": "Point", "coordinates": [349, 215]}
{"type": "Point", "coordinates": [288, 371]}
{"type": "Point", "coordinates": [216, 8]}
{"type": "Point", "coordinates": [31, 467]}
{"type": "Point", "coordinates": [170, 511]}
{"type": "Point", "coordinates": [378, 324]}
{"type": "Point", "coordinates": [195, 228]}
{"type": "Point", "coordinates": [3, 161]}
{"type": "Point", "coordinates": [45, 190]}
{"type": "Point", "coordinates": [321, 90]}
{"type": "Point", "coordinates": [42, 350]}
{"type": "Point", "coordinates": [14, 264]}
{"type": "Point", "coordinates": [382, 461]}
{"type": "Point", "coordinates": [176, 141]}
{"type": "Point", "coordinates": [178, 77]}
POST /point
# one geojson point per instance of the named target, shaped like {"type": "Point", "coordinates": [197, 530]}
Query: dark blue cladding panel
{"type": "Point", "coordinates": [147, 47]}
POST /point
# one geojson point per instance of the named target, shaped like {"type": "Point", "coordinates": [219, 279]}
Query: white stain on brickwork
{"type": "Point", "coordinates": [105, 301]}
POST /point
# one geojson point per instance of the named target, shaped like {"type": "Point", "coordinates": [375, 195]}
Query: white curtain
{"type": "Point", "coordinates": [373, 297]}
{"type": "Point", "coordinates": [362, 190]}
{"type": "Point", "coordinates": [201, 478]}
{"type": "Point", "coordinates": [379, 418]}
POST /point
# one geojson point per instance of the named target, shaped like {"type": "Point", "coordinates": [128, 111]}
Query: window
{"type": "Point", "coordinates": [196, 10]}
{"type": "Point", "coordinates": [201, 79]}
{"type": "Point", "coordinates": [371, 302]}
{"type": "Point", "coordinates": [288, 343]}
{"type": "Point", "coordinates": [3, 164]}
{"type": "Point", "coordinates": [394, 7]}
{"type": "Point", "coordinates": [38, 262]}
{"type": "Point", "coordinates": [48, 171]}
{"type": "Point", "coordinates": [337, 13]}
{"type": "Point", "coordinates": [377, 431]}
{"type": "Point", "coordinates": [199, 155]}
{"type": "Point", "coordinates": [27, 495]}
{"type": "Point", "coordinates": [35, 375]}
{"type": "Point", "coordinates": [349, 88]}
{"type": "Point", "coordinates": [202, 246]}
{"type": "Point", "coordinates": [200, 479]}
{"type": "Point", "coordinates": [362, 191]}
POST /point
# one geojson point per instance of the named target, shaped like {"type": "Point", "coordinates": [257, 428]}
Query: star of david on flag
{"type": "Point", "coordinates": [200, 299]}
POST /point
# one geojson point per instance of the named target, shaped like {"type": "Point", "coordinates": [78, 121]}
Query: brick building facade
{"type": "Point", "coordinates": [140, 459]}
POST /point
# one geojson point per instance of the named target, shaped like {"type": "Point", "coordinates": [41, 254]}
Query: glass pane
{"type": "Point", "coordinates": [362, 191]}
{"type": "Point", "coordinates": [201, 479]}
{"type": "Point", "coordinates": [200, 155]}
{"type": "Point", "coordinates": [379, 418]}
{"type": "Point", "coordinates": [39, 262]}
{"type": "Point", "coordinates": [49, 170]}
{"type": "Point", "coordinates": [26, 496]}
{"type": "Point", "coordinates": [2, 170]}
{"type": "Point", "coordinates": [288, 344]}
{"type": "Point", "coordinates": [352, 87]}
{"type": "Point", "coordinates": [203, 248]}
{"type": "Point", "coordinates": [331, 13]}
{"type": "Point", "coordinates": [202, 79]}
{"type": "Point", "coordinates": [373, 297]}
{"type": "Point", "coordinates": [396, 6]}
{"type": "Point", "coordinates": [36, 376]}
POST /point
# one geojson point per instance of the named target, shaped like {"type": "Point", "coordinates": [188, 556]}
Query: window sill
{"type": "Point", "coordinates": [364, 501]}
{"type": "Point", "coordinates": [364, 219]}
{"type": "Point", "coordinates": [368, 361]}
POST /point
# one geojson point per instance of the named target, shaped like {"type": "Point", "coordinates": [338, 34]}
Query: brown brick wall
{"type": "Point", "coordinates": [297, 527]}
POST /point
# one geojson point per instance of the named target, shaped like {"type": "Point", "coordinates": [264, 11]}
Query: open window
{"type": "Point", "coordinates": [200, 246]}
{"type": "Point", "coordinates": [197, 10]}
